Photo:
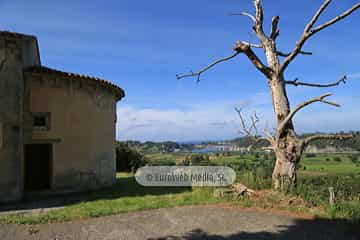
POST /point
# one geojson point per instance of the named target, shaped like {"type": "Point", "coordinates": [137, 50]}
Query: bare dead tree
{"type": "Point", "coordinates": [288, 147]}
{"type": "Point", "coordinates": [250, 130]}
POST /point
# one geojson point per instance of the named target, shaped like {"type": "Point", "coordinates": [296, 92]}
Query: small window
{"type": "Point", "coordinates": [41, 121]}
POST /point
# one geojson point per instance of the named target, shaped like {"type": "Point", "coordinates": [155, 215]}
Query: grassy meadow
{"type": "Point", "coordinates": [316, 174]}
{"type": "Point", "coordinates": [125, 196]}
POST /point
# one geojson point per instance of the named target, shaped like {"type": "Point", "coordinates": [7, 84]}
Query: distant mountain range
{"type": "Point", "coordinates": [170, 146]}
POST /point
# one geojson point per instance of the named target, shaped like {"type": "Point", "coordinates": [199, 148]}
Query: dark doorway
{"type": "Point", "coordinates": [37, 166]}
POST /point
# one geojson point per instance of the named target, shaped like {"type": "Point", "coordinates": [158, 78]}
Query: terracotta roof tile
{"type": "Point", "coordinates": [119, 92]}
{"type": "Point", "coordinates": [14, 34]}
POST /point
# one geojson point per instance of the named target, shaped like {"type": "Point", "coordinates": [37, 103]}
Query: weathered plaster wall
{"type": "Point", "coordinates": [83, 120]}
{"type": "Point", "coordinates": [12, 49]}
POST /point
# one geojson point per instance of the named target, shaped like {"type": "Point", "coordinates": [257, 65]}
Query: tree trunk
{"type": "Point", "coordinates": [284, 175]}
{"type": "Point", "coordinates": [287, 149]}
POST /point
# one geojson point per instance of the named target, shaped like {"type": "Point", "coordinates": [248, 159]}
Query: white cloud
{"type": "Point", "coordinates": [198, 122]}
{"type": "Point", "coordinates": [220, 121]}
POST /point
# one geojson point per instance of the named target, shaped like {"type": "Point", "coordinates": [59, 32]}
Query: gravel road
{"type": "Point", "coordinates": [196, 222]}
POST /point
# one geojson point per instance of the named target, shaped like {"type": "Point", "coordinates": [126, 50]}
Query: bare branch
{"type": "Point", "coordinates": [336, 19]}
{"type": "Point", "coordinates": [309, 31]}
{"type": "Point", "coordinates": [252, 130]}
{"type": "Point", "coordinates": [292, 113]}
{"type": "Point", "coordinates": [274, 27]}
{"type": "Point", "coordinates": [246, 14]}
{"type": "Point", "coordinates": [197, 74]}
{"type": "Point", "coordinates": [253, 45]}
{"type": "Point", "coordinates": [317, 15]}
{"type": "Point", "coordinates": [307, 140]}
{"type": "Point", "coordinates": [254, 121]}
{"type": "Point", "coordinates": [269, 135]}
{"type": "Point", "coordinates": [282, 54]}
{"type": "Point", "coordinates": [241, 47]}
{"type": "Point", "coordinates": [297, 83]}
{"type": "Point", "coordinates": [258, 25]}
{"type": "Point", "coordinates": [268, 148]}
{"type": "Point", "coordinates": [259, 12]}
{"type": "Point", "coordinates": [247, 130]}
{"type": "Point", "coordinates": [245, 48]}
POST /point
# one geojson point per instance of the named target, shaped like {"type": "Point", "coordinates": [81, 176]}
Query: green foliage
{"type": "Point", "coordinates": [350, 209]}
{"type": "Point", "coordinates": [159, 147]}
{"type": "Point", "coordinates": [128, 159]}
{"type": "Point", "coordinates": [316, 189]}
{"type": "Point", "coordinates": [310, 155]}
{"type": "Point", "coordinates": [162, 162]}
{"type": "Point", "coordinates": [227, 153]}
{"type": "Point", "coordinates": [354, 157]}
{"type": "Point", "coordinates": [353, 143]}
{"type": "Point", "coordinates": [316, 175]}
{"type": "Point", "coordinates": [195, 160]}
{"type": "Point", "coordinates": [125, 196]}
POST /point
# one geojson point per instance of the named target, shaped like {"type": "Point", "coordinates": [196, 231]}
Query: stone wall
{"type": "Point", "coordinates": [83, 117]}
{"type": "Point", "coordinates": [17, 51]}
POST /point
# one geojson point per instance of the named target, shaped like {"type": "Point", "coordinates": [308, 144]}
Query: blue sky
{"type": "Point", "coordinates": [142, 45]}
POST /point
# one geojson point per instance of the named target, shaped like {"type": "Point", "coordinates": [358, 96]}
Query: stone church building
{"type": "Point", "coordinates": [57, 129]}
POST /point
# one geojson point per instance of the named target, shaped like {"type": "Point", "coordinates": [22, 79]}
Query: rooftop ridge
{"type": "Point", "coordinates": [15, 34]}
{"type": "Point", "coordinates": [107, 84]}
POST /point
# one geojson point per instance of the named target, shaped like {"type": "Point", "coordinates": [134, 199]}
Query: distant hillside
{"type": "Point", "coordinates": [316, 146]}
{"type": "Point", "coordinates": [349, 144]}
{"type": "Point", "coordinates": [156, 147]}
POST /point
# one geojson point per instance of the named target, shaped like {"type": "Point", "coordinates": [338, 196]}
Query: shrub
{"type": "Point", "coordinates": [226, 154]}
{"type": "Point", "coordinates": [354, 157]}
{"type": "Point", "coordinates": [337, 159]}
{"type": "Point", "coordinates": [310, 155]}
{"type": "Point", "coordinates": [128, 159]}
{"type": "Point", "coordinates": [349, 209]}
{"type": "Point", "coordinates": [195, 159]}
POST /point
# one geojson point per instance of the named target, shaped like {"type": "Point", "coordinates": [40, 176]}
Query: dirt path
{"type": "Point", "coordinates": [200, 222]}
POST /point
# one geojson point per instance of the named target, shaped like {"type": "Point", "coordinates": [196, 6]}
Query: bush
{"type": "Point", "coordinates": [128, 159]}
{"type": "Point", "coordinates": [310, 155]}
{"type": "Point", "coordinates": [354, 157]}
{"type": "Point", "coordinates": [195, 159]}
{"type": "Point", "coordinates": [349, 209]}
{"type": "Point", "coordinates": [337, 159]}
{"type": "Point", "coordinates": [226, 154]}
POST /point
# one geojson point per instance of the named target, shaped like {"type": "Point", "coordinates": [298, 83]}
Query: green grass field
{"type": "Point", "coordinates": [326, 164]}
{"type": "Point", "coordinates": [322, 164]}
{"type": "Point", "coordinates": [125, 196]}
{"type": "Point", "coordinates": [316, 175]}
